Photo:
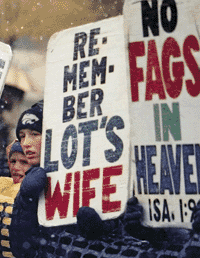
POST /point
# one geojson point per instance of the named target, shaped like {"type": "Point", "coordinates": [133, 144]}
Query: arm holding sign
{"type": "Point", "coordinates": [196, 218]}
{"type": "Point", "coordinates": [91, 226]}
{"type": "Point", "coordinates": [133, 214]}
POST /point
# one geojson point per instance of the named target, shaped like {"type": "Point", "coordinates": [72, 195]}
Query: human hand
{"type": "Point", "coordinates": [89, 223]}
{"type": "Point", "coordinates": [196, 218]}
{"type": "Point", "coordinates": [133, 214]}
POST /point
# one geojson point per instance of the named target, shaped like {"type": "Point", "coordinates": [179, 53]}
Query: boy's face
{"type": "Point", "coordinates": [31, 144]}
{"type": "Point", "coordinates": [18, 165]}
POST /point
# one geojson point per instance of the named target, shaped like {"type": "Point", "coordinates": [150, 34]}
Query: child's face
{"type": "Point", "coordinates": [31, 144]}
{"type": "Point", "coordinates": [18, 165]}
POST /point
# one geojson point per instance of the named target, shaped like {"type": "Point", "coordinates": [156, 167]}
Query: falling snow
{"type": "Point", "coordinates": [43, 18]}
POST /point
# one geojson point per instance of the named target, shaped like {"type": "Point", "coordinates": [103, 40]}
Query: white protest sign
{"type": "Point", "coordinates": [5, 60]}
{"type": "Point", "coordinates": [86, 123]}
{"type": "Point", "coordinates": [164, 57]}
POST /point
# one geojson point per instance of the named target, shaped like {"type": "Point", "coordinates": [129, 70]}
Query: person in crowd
{"type": "Point", "coordinates": [9, 187]}
{"type": "Point", "coordinates": [18, 165]}
{"type": "Point", "coordinates": [24, 223]}
{"type": "Point", "coordinates": [17, 162]}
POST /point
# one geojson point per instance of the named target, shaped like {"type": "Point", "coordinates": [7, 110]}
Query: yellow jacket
{"type": "Point", "coordinates": [8, 192]}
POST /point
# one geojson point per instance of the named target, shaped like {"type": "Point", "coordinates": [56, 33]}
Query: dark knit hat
{"type": "Point", "coordinates": [16, 147]}
{"type": "Point", "coordinates": [31, 119]}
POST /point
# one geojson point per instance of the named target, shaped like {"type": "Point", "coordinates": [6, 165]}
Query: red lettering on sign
{"type": "Point", "coordinates": [89, 193]}
{"type": "Point", "coordinates": [173, 87]}
{"type": "Point", "coordinates": [191, 42]}
{"type": "Point", "coordinates": [135, 49]}
{"type": "Point", "coordinates": [168, 78]}
{"type": "Point", "coordinates": [76, 193]}
{"type": "Point", "coordinates": [108, 189]}
{"type": "Point", "coordinates": [153, 86]}
{"type": "Point", "coordinates": [57, 200]}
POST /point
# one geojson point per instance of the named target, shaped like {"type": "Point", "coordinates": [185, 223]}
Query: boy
{"type": "Point", "coordinates": [17, 162]}
{"type": "Point", "coordinates": [18, 165]}
{"type": "Point", "coordinates": [9, 187]}
{"type": "Point", "coordinates": [24, 224]}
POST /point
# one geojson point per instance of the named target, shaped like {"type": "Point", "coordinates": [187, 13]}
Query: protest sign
{"type": "Point", "coordinates": [86, 138]}
{"type": "Point", "coordinates": [5, 60]}
{"type": "Point", "coordinates": [164, 60]}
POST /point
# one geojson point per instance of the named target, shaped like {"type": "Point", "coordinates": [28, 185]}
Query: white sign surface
{"type": "Point", "coordinates": [86, 123]}
{"type": "Point", "coordinates": [164, 57]}
{"type": "Point", "coordinates": [5, 60]}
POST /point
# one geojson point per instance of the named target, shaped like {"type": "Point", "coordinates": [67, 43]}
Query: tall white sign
{"type": "Point", "coordinates": [164, 56]}
{"type": "Point", "coordinates": [86, 123]}
{"type": "Point", "coordinates": [5, 61]}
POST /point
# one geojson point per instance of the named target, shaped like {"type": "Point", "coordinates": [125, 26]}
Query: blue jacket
{"type": "Point", "coordinates": [24, 223]}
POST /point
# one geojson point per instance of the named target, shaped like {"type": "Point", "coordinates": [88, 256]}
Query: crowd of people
{"type": "Point", "coordinates": [28, 180]}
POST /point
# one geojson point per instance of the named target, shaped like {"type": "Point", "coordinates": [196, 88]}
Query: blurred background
{"type": "Point", "coordinates": [27, 25]}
